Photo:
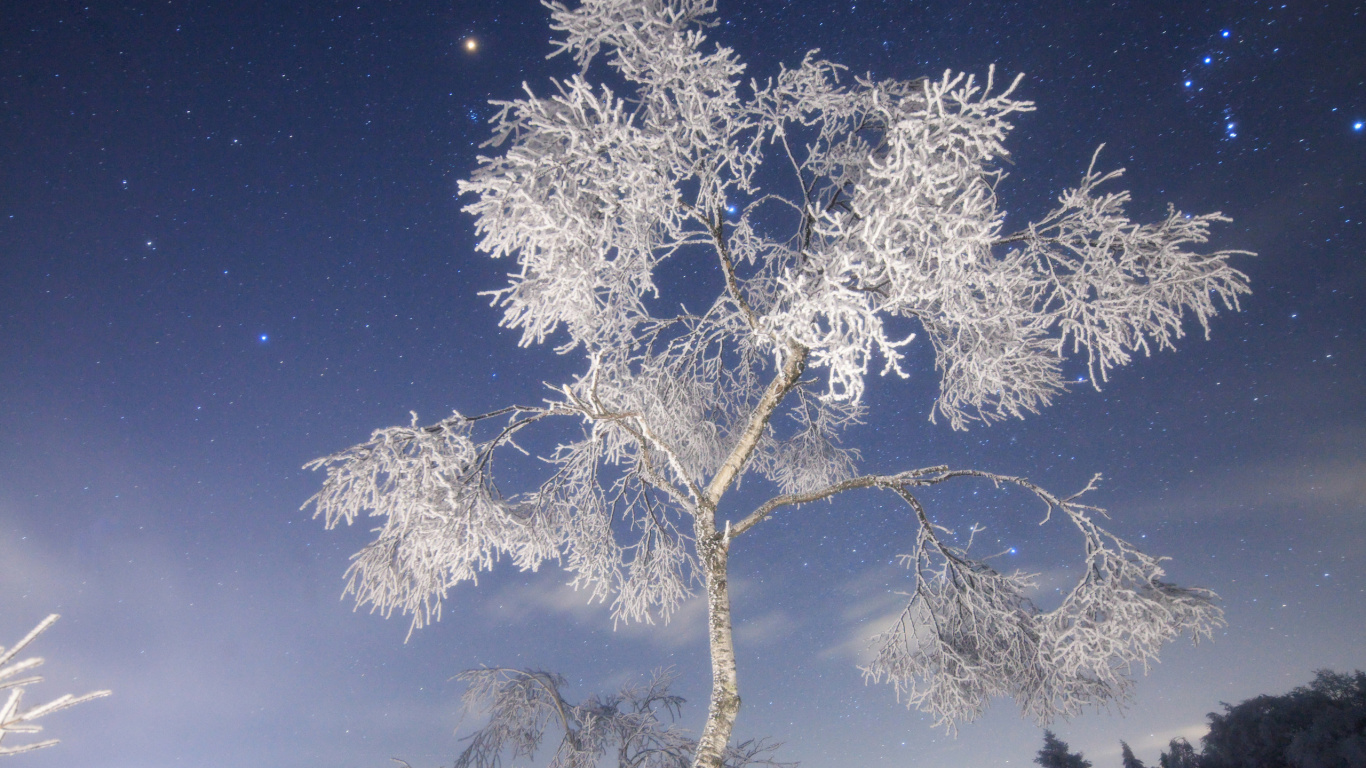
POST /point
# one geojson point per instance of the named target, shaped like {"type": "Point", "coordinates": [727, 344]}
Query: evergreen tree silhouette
{"type": "Point", "coordinates": [1128, 756]}
{"type": "Point", "coordinates": [1056, 755]}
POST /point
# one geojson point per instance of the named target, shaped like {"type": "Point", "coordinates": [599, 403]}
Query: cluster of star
{"type": "Point", "coordinates": [1195, 78]}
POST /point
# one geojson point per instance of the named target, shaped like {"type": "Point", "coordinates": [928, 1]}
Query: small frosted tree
{"type": "Point", "coordinates": [826, 218]}
{"type": "Point", "coordinates": [635, 725]}
{"type": "Point", "coordinates": [14, 719]}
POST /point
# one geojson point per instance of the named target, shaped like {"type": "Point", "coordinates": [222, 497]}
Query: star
{"type": "Point", "coordinates": [471, 45]}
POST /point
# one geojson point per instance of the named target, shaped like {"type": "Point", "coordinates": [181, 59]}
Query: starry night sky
{"type": "Point", "coordinates": [230, 243]}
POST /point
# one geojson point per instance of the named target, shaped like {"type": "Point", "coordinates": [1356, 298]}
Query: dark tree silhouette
{"type": "Point", "coordinates": [1336, 738]}
{"type": "Point", "coordinates": [1322, 724]}
{"type": "Point", "coordinates": [1128, 756]}
{"type": "Point", "coordinates": [1319, 725]}
{"type": "Point", "coordinates": [1179, 754]}
{"type": "Point", "coordinates": [1055, 754]}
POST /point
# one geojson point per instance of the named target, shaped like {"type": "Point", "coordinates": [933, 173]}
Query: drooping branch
{"type": "Point", "coordinates": [970, 633]}
{"type": "Point", "coordinates": [445, 518]}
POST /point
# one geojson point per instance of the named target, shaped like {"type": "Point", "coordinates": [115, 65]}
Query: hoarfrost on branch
{"type": "Point", "coordinates": [636, 725]}
{"type": "Point", "coordinates": [835, 213]}
{"type": "Point", "coordinates": [14, 719]}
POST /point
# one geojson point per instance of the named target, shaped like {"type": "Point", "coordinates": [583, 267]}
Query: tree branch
{"type": "Point", "coordinates": [594, 410]}
{"type": "Point", "coordinates": [728, 267]}
{"type": "Point", "coordinates": [910, 479]}
{"type": "Point", "coordinates": [739, 456]}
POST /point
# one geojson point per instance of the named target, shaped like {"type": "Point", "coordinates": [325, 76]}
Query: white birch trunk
{"type": "Point", "coordinates": [713, 549]}
{"type": "Point", "coordinates": [725, 685]}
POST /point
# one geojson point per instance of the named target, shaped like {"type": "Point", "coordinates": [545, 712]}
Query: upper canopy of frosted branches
{"type": "Point", "coordinates": [879, 202]}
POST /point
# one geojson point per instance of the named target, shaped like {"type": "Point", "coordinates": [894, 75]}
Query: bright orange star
{"type": "Point", "coordinates": [471, 44]}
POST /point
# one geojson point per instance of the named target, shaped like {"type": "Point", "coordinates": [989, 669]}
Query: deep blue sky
{"type": "Point", "coordinates": [229, 243]}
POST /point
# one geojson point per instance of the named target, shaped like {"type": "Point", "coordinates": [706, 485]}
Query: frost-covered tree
{"type": "Point", "coordinates": [635, 726]}
{"type": "Point", "coordinates": [825, 218]}
{"type": "Point", "coordinates": [13, 718]}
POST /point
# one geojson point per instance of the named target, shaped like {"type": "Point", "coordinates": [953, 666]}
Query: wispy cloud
{"type": "Point", "coordinates": [1337, 482]}
{"type": "Point", "coordinates": [855, 644]}
{"type": "Point", "coordinates": [1151, 744]}
{"type": "Point", "coordinates": [764, 630]}
{"type": "Point", "coordinates": [521, 603]}
{"type": "Point", "coordinates": [870, 603]}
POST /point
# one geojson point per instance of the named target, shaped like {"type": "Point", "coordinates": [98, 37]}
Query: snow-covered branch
{"type": "Point", "coordinates": [636, 725]}
{"type": "Point", "coordinates": [969, 633]}
{"type": "Point", "coordinates": [1114, 286]}
{"type": "Point", "coordinates": [14, 719]}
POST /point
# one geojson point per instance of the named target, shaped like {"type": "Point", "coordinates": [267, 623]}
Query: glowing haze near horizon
{"type": "Point", "coordinates": [229, 243]}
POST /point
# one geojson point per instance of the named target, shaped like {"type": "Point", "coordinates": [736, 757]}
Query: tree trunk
{"type": "Point", "coordinates": [725, 686]}
{"type": "Point", "coordinates": [713, 550]}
